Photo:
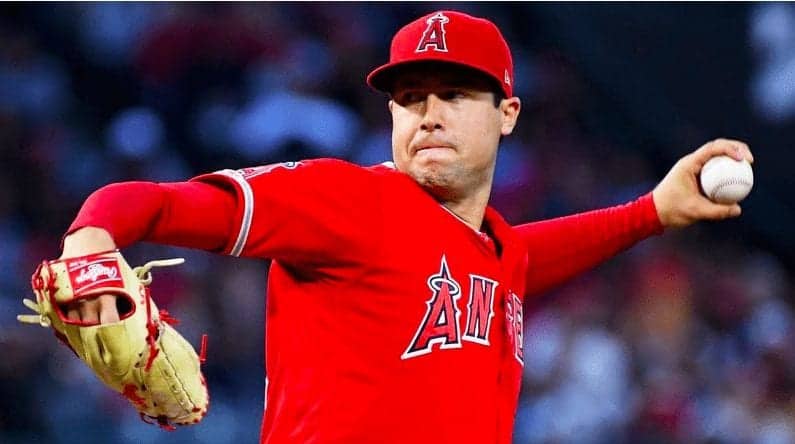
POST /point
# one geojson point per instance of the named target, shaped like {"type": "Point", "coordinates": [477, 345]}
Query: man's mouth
{"type": "Point", "coordinates": [431, 147]}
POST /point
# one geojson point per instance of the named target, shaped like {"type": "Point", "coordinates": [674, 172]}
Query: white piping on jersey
{"type": "Point", "coordinates": [248, 210]}
{"type": "Point", "coordinates": [265, 402]}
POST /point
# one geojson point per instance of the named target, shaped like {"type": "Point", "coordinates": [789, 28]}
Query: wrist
{"type": "Point", "coordinates": [655, 217]}
{"type": "Point", "coordinates": [87, 240]}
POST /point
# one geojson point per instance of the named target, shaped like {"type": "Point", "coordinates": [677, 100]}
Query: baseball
{"type": "Point", "coordinates": [725, 180]}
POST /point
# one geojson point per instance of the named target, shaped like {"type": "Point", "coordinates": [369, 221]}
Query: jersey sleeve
{"type": "Point", "coordinates": [310, 213]}
{"type": "Point", "coordinates": [561, 248]}
{"type": "Point", "coordinates": [188, 214]}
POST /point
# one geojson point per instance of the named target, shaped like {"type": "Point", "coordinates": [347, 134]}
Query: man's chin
{"type": "Point", "coordinates": [433, 162]}
{"type": "Point", "coordinates": [435, 182]}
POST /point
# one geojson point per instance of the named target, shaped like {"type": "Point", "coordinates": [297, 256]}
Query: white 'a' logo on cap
{"type": "Point", "coordinates": [434, 34]}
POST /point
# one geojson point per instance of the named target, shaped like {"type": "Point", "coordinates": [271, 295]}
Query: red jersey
{"type": "Point", "coordinates": [388, 319]}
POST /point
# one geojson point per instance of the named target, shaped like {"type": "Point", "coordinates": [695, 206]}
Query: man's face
{"type": "Point", "coordinates": [446, 128]}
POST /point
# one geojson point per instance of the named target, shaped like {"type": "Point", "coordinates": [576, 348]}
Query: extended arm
{"type": "Point", "coordinates": [192, 214]}
{"type": "Point", "coordinates": [562, 248]}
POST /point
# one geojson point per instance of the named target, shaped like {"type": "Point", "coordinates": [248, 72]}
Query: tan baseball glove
{"type": "Point", "coordinates": [141, 356]}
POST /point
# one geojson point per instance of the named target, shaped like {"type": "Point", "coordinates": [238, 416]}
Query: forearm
{"type": "Point", "coordinates": [561, 248]}
{"type": "Point", "coordinates": [189, 214]}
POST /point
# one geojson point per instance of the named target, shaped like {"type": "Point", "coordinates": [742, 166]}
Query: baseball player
{"type": "Point", "coordinates": [395, 294]}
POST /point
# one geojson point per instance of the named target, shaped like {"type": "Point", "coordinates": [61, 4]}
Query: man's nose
{"type": "Point", "coordinates": [433, 119]}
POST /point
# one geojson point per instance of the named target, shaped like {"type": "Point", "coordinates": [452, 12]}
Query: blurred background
{"type": "Point", "coordinates": [686, 338]}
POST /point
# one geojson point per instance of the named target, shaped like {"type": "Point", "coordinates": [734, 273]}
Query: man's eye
{"type": "Point", "coordinates": [411, 97]}
{"type": "Point", "coordinates": [453, 94]}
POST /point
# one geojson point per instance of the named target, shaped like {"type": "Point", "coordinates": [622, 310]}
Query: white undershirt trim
{"type": "Point", "coordinates": [248, 209]}
{"type": "Point", "coordinates": [462, 220]}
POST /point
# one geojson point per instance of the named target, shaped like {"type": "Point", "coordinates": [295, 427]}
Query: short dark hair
{"type": "Point", "coordinates": [499, 95]}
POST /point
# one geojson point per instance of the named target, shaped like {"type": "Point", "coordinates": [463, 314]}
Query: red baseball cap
{"type": "Point", "coordinates": [453, 37]}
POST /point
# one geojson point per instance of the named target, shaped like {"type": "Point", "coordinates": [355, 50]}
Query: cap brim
{"type": "Point", "coordinates": [382, 78]}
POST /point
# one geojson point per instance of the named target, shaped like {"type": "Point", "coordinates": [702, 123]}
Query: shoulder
{"type": "Point", "coordinates": [344, 172]}
{"type": "Point", "coordinates": [320, 166]}
{"type": "Point", "coordinates": [393, 177]}
{"type": "Point", "coordinates": [324, 175]}
{"type": "Point", "coordinates": [298, 169]}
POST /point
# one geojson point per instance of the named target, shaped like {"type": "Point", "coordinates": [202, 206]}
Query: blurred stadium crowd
{"type": "Point", "coordinates": [684, 339]}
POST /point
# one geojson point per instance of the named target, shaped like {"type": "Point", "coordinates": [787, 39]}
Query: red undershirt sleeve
{"type": "Point", "coordinates": [188, 214]}
{"type": "Point", "coordinates": [561, 248]}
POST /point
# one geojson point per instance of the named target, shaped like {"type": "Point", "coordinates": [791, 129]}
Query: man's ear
{"type": "Point", "coordinates": [509, 110]}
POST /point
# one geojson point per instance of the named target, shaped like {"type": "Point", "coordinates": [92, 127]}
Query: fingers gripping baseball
{"type": "Point", "coordinates": [678, 197]}
{"type": "Point", "coordinates": [733, 148]}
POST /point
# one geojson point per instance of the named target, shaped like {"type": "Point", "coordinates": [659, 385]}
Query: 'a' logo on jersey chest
{"type": "Point", "coordinates": [442, 322]}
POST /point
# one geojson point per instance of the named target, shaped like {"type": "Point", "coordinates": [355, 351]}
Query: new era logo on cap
{"type": "Point", "coordinates": [452, 37]}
